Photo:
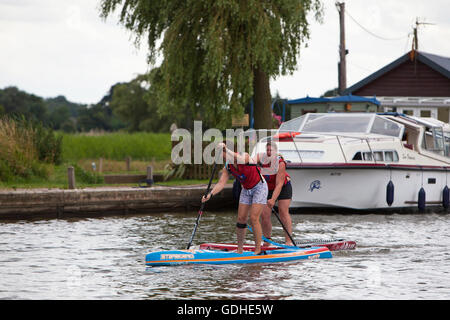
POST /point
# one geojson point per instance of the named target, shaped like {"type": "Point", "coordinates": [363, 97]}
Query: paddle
{"type": "Point", "coordinates": [273, 242]}
{"type": "Point", "coordinates": [304, 244]}
{"type": "Point", "coordinates": [202, 206]}
{"type": "Point", "coordinates": [284, 228]}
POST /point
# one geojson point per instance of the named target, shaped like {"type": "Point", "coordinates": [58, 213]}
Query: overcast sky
{"type": "Point", "coordinates": [62, 47]}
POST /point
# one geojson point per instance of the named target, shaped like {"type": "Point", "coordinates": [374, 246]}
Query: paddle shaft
{"type": "Point", "coordinates": [202, 206]}
{"type": "Point", "coordinates": [284, 228]}
{"type": "Point", "coordinates": [273, 242]}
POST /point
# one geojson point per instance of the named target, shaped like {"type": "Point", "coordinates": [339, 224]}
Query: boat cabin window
{"type": "Point", "coordinates": [390, 156]}
{"type": "Point", "coordinates": [446, 144]}
{"type": "Point", "coordinates": [378, 155]}
{"type": "Point", "coordinates": [357, 156]}
{"type": "Point", "coordinates": [300, 155]}
{"type": "Point", "coordinates": [367, 156]}
{"type": "Point", "coordinates": [435, 141]}
{"type": "Point", "coordinates": [383, 155]}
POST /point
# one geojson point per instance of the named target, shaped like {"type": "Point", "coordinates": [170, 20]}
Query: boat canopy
{"type": "Point", "coordinates": [343, 123]}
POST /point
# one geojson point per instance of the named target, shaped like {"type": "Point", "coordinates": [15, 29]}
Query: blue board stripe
{"type": "Point", "coordinates": [177, 257]}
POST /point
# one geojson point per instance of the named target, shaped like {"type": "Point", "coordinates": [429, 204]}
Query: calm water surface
{"type": "Point", "coordinates": [397, 257]}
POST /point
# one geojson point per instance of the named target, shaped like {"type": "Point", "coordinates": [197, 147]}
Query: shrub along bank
{"type": "Point", "coordinates": [27, 149]}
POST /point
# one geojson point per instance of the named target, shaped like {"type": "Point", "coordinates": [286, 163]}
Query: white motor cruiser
{"type": "Point", "coordinates": [365, 160]}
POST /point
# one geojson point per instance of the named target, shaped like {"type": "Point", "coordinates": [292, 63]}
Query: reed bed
{"type": "Point", "coordinates": [19, 150]}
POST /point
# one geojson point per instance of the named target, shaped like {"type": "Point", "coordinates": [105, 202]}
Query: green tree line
{"type": "Point", "coordinates": [57, 113]}
{"type": "Point", "coordinates": [132, 106]}
{"type": "Point", "coordinates": [127, 106]}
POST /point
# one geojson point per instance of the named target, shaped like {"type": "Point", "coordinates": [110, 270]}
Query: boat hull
{"type": "Point", "coordinates": [183, 257]}
{"type": "Point", "coordinates": [365, 187]}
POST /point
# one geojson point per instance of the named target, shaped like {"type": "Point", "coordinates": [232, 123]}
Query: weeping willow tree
{"type": "Point", "coordinates": [218, 54]}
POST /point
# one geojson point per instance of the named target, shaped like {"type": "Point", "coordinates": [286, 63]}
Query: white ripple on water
{"type": "Point", "coordinates": [397, 257]}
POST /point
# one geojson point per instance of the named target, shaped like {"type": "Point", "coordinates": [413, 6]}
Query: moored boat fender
{"type": "Point", "coordinates": [390, 193]}
{"type": "Point", "coordinates": [421, 201]}
{"type": "Point", "coordinates": [445, 197]}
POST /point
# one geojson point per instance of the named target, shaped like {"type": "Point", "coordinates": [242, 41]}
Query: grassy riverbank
{"type": "Point", "coordinates": [82, 150]}
{"type": "Point", "coordinates": [23, 166]}
{"type": "Point", "coordinates": [117, 146]}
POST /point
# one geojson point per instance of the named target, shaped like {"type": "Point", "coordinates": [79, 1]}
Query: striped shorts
{"type": "Point", "coordinates": [257, 194]}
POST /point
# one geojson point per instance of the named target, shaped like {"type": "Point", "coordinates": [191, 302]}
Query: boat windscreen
{"type": "Point", "coordinates": [343, 123]}
{"type": "Point", "coordinates": [293, 125]}
{"type": "Point", "coordinates": [386, 127]}
{"type": "Point", "coordinates": [338, 123]}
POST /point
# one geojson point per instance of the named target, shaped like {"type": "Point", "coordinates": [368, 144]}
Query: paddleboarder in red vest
{"type": "Point", "coordinates": [253, 198]}
{"type": "Point", "coordinates": [280, 189]}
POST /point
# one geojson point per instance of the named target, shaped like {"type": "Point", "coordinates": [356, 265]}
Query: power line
{"type": "Point", "coordinates": [370, 32]}
{"type": "Point", "coordinates": [407, 42]}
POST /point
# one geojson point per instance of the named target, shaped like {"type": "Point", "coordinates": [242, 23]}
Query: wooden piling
{"type": "Point", "coordinates": [128, 162]}
{"type": "Point", "coordinates": [71, 177]}
{"type": "Point", "coordinates": [149, 176]}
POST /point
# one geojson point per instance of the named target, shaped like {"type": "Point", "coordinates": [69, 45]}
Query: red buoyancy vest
{"type": "Point", "coordinates": [247, 175]}
{"type": "Point", "coordinates": [272, 179]}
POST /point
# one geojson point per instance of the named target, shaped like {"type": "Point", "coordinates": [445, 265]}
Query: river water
{"type": "Point", "coordinates": [398, 256]}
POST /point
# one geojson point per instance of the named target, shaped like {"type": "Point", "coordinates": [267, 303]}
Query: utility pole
{"type": "Point", "coordinates": [415, 43]}
{"type": "Point", "coordinates": [342, 65]}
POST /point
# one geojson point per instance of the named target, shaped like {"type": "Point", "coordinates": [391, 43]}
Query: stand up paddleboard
{"type": "Point", "coordinates": [181, 257]}
{"type": "Point", "coordinates": [331, 244]}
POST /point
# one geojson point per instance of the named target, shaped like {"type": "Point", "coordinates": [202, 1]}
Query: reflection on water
{"type": "Point", "coordinates": [397, 257]}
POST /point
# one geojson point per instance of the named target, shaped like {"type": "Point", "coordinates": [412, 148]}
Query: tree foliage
{"type": "Point", "coordinates": [16, 102]}
{"type": "Point", "coordinates": [131, 104]}
{"type": "Point", "coordinates": [58, 113]}
{"type": "Point", "coordinates": [218, 54]}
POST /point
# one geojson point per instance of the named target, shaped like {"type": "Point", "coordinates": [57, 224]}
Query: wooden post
{"type": "Point", "coordinates": [128, 161]}
{"type": "Point", "coordinates": [100, 165]}
{"type": "Point", "coordinates": [149, 176]}
{"type": "Point", "coordinates": [71, 177]}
